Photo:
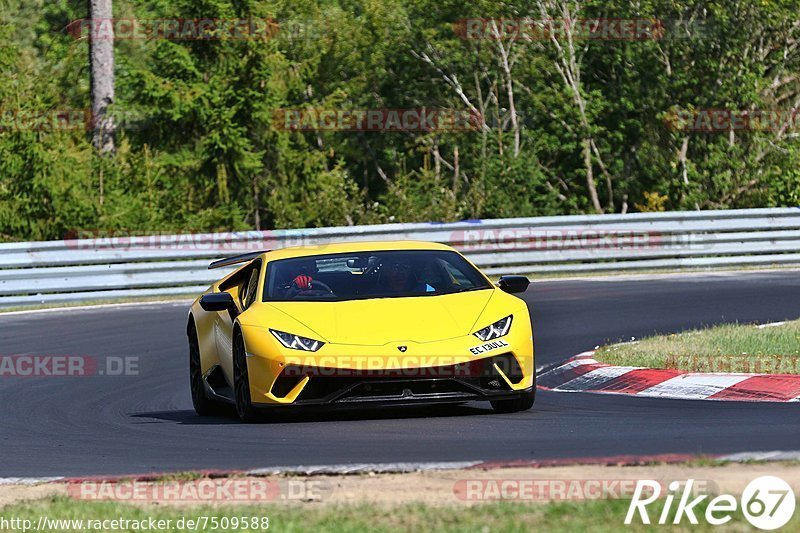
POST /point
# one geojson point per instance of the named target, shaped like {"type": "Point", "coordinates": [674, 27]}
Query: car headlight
{"type": "Point", "coordinates": [296, 342]}
{"type": "Point", "coordinates": [493, 331]}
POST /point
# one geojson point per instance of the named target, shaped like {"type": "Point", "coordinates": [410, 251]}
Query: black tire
{"type": "Point", "coordinates": [523, 403]}
{"type": "Point", "coordinates": [241, 381]}
{"type": "Point", "coordinates": [203, 405]}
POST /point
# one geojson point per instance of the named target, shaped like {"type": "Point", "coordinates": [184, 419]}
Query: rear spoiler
{"type": "Point", "coordinates": [236, 259]}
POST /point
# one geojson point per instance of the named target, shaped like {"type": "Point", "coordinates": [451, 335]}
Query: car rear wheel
{"type": "Point", "coordinates": [241, 381]}
{"type": "Point", "coordinates": [203, 405]}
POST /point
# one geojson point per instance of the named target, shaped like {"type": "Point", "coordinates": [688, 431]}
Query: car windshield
{"type": "Point", "coordinates": [362, 275]}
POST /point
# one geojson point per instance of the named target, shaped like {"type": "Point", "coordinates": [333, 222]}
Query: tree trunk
{"type": "Point", "coordinates": [590, 184]}
{"type": "Point", "coordinates": [101, 58]}
{"type": "Point", "coordinates": [256, 204]}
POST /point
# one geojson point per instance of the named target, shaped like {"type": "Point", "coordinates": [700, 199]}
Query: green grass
{"type": "Point", "coordinates": [180, 476]}
{"type": "Point", "coordinates": [595, 516]}
{"type": "Point", "coordinates": [725, 348]}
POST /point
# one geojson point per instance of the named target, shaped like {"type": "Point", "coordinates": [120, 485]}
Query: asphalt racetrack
{"type": "Point", "coordinates": [77, 426]}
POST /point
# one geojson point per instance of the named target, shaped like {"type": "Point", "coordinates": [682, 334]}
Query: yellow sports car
{"type": "Point", "coordinates": [368, 323]}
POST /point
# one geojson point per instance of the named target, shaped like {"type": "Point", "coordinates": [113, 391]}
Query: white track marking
{"type": "Point", "coordinates": [595, 379]}
{"type": "Point", "coordinates": [29, 480]}
{"type": "Point", "coordinates": [568, 365]}
{"type": "Point", "coordinates": [762, 456]}
{"type": "Point", "coordinates": [344, 469]}
{"type": "Point", "coordinates": [693, 386]}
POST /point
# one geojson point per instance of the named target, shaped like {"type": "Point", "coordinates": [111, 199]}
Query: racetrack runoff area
{"type": "Point", "coordinates": [454, 499]}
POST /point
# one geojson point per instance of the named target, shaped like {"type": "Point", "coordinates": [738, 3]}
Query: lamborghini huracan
{"type": "Point", "coordinates": [359, 324]}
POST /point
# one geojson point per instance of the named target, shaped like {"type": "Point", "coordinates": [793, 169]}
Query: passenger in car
{"type": "Point", "coordinates": [400, 278]}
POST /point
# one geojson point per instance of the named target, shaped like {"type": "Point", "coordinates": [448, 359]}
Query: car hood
{"type": "Point", "coordinates": [378, 321]}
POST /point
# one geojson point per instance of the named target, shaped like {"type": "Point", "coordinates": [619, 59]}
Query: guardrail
{"type": "Point", "coordinates": [99, 266]}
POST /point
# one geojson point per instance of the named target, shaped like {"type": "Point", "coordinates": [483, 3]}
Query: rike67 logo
{"type": "Point", "coordinates": [767, 502]}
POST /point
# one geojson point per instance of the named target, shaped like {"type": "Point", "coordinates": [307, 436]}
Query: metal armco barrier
{"type": "Point", "coordinates": [99, 266]}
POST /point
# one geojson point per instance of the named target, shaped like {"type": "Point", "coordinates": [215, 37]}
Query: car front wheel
{"type": "Point", "coordinates": [521, 403]}
{"type": "Point", "coordinates": [241, 381]}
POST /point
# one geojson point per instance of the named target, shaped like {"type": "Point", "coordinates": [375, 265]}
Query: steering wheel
{"type": "Point", "coordinates": [318, 285]}
{"type": "Point", "coordinates": [316, 288]}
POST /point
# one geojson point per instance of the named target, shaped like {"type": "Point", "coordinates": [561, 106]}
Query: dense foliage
{"type": "Point", "coordinates": [573, 125]}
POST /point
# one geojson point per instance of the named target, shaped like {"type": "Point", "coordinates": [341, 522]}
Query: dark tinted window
{"type": "Point", "coordinates": [371, 275]}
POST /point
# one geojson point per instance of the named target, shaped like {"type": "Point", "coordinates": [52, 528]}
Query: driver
{"type": "Point", "coordinates": [304, 277]}
{"type": "Point", "coordinates": [304, 282]}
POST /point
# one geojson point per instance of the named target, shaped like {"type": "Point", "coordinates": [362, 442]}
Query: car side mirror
{"type": "Point", "coordinates": [219, 301]}
{"type": "Point", "coordinates": [513, 284]}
